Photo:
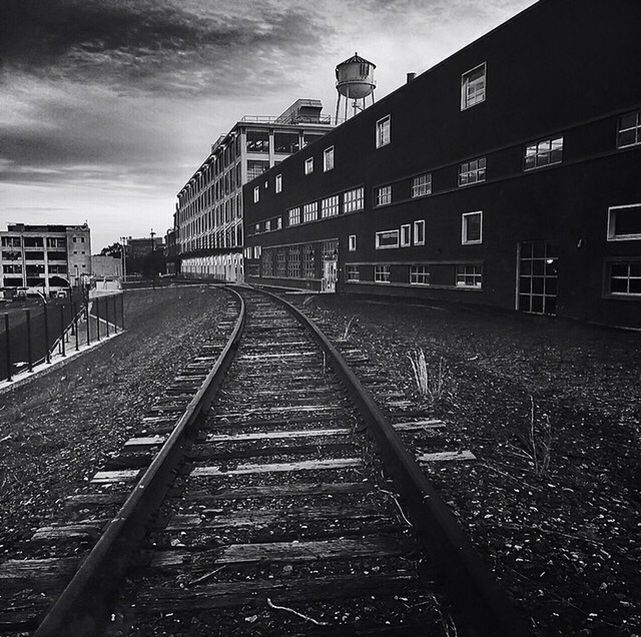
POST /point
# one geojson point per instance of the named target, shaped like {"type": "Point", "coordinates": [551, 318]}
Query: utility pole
{"type": "Point", "coordinates": [153, 274]}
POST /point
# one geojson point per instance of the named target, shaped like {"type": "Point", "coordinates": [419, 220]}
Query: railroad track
{"type": "Point", "coordinates": [288, 507]}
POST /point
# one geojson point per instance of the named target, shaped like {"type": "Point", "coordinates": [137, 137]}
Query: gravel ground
{"type": "Point", "coordinates": [565, 540]}
{"type": "Point", "coordinates": [56, 431]}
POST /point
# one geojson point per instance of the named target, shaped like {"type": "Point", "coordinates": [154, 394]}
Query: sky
{"type": "Point", "coordinates": [107, 107]}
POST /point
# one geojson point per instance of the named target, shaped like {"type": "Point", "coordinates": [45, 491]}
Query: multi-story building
{"type": "Point", "coordinates": [47, 258]}
{"type": "Point", "coordinates": [209, 213]}
{"type": "Point", "coordinates": [506, 175]}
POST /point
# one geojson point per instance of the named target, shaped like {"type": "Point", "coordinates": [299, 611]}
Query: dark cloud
{"type": "Point", "coordinates": [151, 45]}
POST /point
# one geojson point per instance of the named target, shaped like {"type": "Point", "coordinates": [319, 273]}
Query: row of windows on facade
{"type": "Point", "coordinates": [539, 154]}
{"type": "Point", "coordinates": [231, 237]}
{"type": "Point", "coordinates": [228, 177]}
{"type": "Point", "coordinates": [462, 275]}
{"type": "Point", "coordinates": [35, 255]}
{"type": "Point", "coordinates": [222, 214]}
{"type": "Point", "coordinates": [36, 242]}
{"type": "Point", "coordinates": [17, 268]}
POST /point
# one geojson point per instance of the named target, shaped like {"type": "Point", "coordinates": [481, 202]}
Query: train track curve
{"type": "Point", "coordinates": [269, 495]}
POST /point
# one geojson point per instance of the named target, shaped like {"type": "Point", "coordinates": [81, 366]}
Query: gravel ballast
{"type": "Point", "coordinates": [564, 540]}
{"type": "Point", "coordinates": [58, 429]}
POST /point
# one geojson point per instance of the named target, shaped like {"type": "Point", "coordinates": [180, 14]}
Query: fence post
{"type": "Point", "coordinates": [122, 310]}
{"type": "Point", "coordinates": [86, 301]}
{"type": "Point", "coordinates": [107, 314]}
{"type": "Point", "coordinates": [29, 351]}
{"type": "Point", "coordinates": [47, 353]}
{"type": "Point", "coordinates": [62, 329]}
{"type": "Point", "coordinates": [115, 304]}
{"type": "Point", "coordinates": [8, 339]}
{"type": "Point", "coordinates": [97, 318]}
{"type": "Point", "coordinates": [74, 310]}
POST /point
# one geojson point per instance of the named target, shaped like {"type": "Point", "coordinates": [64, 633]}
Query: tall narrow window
{"type": "Point", "coordinates": [351, 242]}
{"type": "Point", "coordinates": [278, 183]}
{"type": "Point", "coordinates": [256, 194]}
{"type": "Point", "coordinates": [383, 131]}
{"type": "Point", "coordinates": [383, 195]}
{"type": "Point", "coordinates": [406, 235]}
{"type": "Point", "coordinates": [309, 165]}
{"type": "Point", "coordinates": [472, 228]}
{"type": "Point", "coordinates": [473, 86]}
{"type": "Point", "coordinates": [629, 130]}
{"type": "Point", "coordinates": [544, 153]}
{"type": "Point", "coordinates": [328, 159]}
{"type": "Point", "coordinates": [419, 232]}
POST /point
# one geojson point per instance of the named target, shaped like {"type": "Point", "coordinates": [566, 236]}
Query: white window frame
{"type": "Point", "coordinates": [628, 278]}
{"type": "Point", "coordinates": [479, 172]}
{"type": "Point", "coordinates": [383, 131]}
{"type": "Point", "coordinates": [382, 272]}
{"type": "Point", "coordinates": [468, 100]}
{"type": "Point", "coordinates": [308, 208]}
{"type": "Point", "coordinates": [256, 194]}
{"type": "Point", "coordinates": [636, 128]}
{"type": "Point", "coordinates": [394, 231]}
{"type": "Point", "coordinates": [383, 195]}
{"type": "Point", "coordinates": [542, 151]}
{"type": "Point", "coordinates": [309, 166]}
{"type": "Point", "coordinates": [421, 185]}
{"type": "Point", "coordinates": [421, 277]}
{"type": "Point", "coordinates": [328, 159]}
{"type": "Point", "coordinates": [354, 200]}
{"type": "Point", "coordinates": [278, 184]}
{"type": "Point", "coordinates": [351, 243]}
{"type": "Point", "coordinates": [406, 235]}
{"type": "Point", "coordinates": [419, 223]}
{"type": "Point", "coordinates": [353, 269]}
{"type": "Point", "coordinates": [330, 207]}
{"type": "Point", "coordinates": [464, 239]}
{"type": "Point", "coordinates": [612, 224]}
{"type": "Point", "coordinates": [293, 216]}
{"type": "Point", "coordinates": [476, 274]}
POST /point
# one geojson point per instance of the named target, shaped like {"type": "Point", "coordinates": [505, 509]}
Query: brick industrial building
{"type": "Point", "coordinates": [45, 258]}
{"type": "Point", "coordinates": [506, 175]}
{"type": "Point", "coordinates": [208, 221]}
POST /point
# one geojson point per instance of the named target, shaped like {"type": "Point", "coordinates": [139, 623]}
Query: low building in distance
{"type": "Point", "coordinates": [209, 213]}
{"type": "Point", "coordinates": [45, 258]}
{"type": "Point", "coordinates": [506, 175]}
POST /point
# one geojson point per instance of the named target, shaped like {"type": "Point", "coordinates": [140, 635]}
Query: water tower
{"type": "Point", "coordinates": [354, 81]}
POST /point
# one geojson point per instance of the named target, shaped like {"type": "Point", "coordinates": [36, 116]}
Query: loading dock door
{"type": "Point", "coordinates": [537, 277]}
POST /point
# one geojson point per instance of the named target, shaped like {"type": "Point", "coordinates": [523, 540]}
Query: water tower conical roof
{"type": "Point", "coordinates": [358, 59]}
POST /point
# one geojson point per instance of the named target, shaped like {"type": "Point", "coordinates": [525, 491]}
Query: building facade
{"type": "Point", "coordinates": [506, 175]}
{"type": "Point", "coordinates": [46, 258]}
{"type": "Point", "coordinates": [209, 213]}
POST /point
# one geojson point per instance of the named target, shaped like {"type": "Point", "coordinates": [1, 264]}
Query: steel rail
{"type": "Point", "coordinates": [471, 588]}
{"type": "Point", "coordinates": [82, 608]}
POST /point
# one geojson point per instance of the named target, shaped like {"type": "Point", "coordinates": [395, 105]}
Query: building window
{"type": "Point", "coordinates": [473, 86]}
{"type": "Point", "coordinates": [330, 207]}
{"type": "Point", "coordinates": [624, 222]}
{"type": "Point", "coordinates": [387, 239]}
{"type": "Point", "coordinates": [281, 263]}
{"type": "Point", "coordinates": [351, 243]}
{"type": "Point", "coordinates": [544, 153]}
{"type": "Point", "coordinates": [352, 272]}
{"type": "Point", "coordinates": [310, 211]}
{"type": "Point", "coordinates": [629, 130]}
{"type": "Point", "coordinates": [256, 194]}
{"type": "Point", "coordinates": [419, 232]}
{"type": "Point", "coordinates": [328, 159]}
{"type": "Point", "coordinates": [406, 235]}
{"type": "Point", "coordinates": [471, 172]}
{"type": "Point", "coordinates": [383, 195]}
{"type": "Point", "coordinates": [293, 217]}
{"type": "Point", "coordinates": [469, 276]}
{"type": "Point", "coordinates": [419, 275]}
{"type": "Point", "coordinates": [383, 131]}
{"type": "Point", "coordinates": [278, 183]}
{"type": "Point", "coordinates": [309, 265]}
{"type": "Point", "coordinates": [472, 228]}
{"type": "Point", "coordinates": [381, 273]}
{"type": "Point", "coordinates": [624, 278]}
{"type": "Point", "coordinates": [354, 200]}
{"type": "Point", "coordinates": [293, 263]}
{"type": "Point", "coordinates": [421, 185]}
{"type": "Point", "coordinates": [309, 165]}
